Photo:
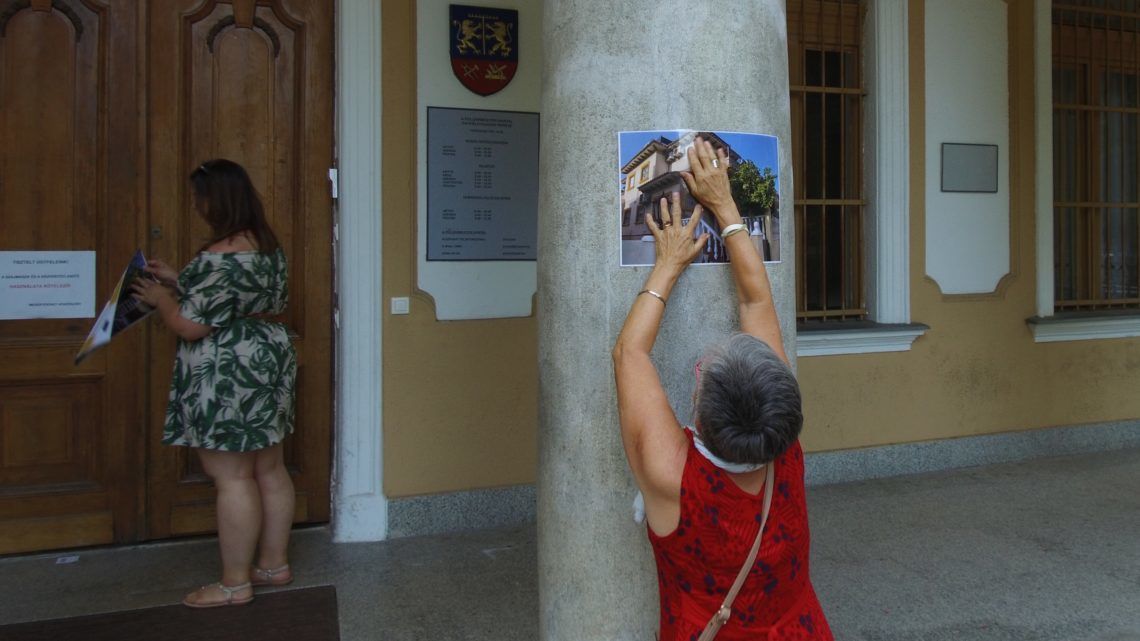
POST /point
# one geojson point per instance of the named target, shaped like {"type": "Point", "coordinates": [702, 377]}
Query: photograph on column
{"type": "Point", "coordinates": [649, 169]}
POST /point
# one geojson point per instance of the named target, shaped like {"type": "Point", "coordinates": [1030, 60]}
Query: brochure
{"type": "Point", "coordinates": [121, 311]}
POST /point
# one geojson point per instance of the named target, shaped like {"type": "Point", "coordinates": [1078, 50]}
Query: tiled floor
{"type": "Point", "coordinates": [1039, 551]}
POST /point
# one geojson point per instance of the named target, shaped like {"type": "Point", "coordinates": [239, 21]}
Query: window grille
{"type": "Point", "coordinates": [826, 75]}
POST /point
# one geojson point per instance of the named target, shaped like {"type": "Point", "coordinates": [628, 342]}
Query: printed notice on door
{"type": "Point", "coordinates": [482, 185]}
{"type": "Point", "coordinates": [47, 284]}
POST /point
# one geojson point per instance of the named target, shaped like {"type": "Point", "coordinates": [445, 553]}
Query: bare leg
{"type": "Point", "coordinates": [239, 518]}
{"type": "Point", "coordinates": [277, 499]}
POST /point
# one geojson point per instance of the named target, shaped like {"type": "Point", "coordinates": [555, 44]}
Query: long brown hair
{"type": "Point", "coordinates": [224, 195]}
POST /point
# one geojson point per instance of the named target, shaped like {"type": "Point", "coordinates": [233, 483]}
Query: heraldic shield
{"type": "Point", "coordinates": [484, 47]}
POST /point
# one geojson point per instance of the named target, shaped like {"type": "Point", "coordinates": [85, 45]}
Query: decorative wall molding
{"type": "Point", "coordinates": [831, 342]}
{"type": "Point", "coordinates": [1043, 123]}
{"type": "Point", "coordinates": [888, 160]}
{"type": "Point", "coordinates": [1081, 327]}
{"type": "Point", "coordinates": [465, 290]}
{"type": "Point", "coordinates": [967, 101]}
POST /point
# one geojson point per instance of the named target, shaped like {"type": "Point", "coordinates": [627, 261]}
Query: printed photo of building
{"type": "Point", "coordinates": [651, 166]}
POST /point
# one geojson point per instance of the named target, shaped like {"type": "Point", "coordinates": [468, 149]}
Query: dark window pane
{"type": "Point", "coordinates": [833, 264]}
{"type": "Point", "coordinates": [833, 145]}
{"type": "Point", "coordinates": [832, 77]}
{"type": "Point", "coordinates": [813, 68]}
{"type": "Point", "coordinates": [813, 257]}
{"type": "Point", "coordinates": [813, 146]}
{"type": "Point", "coordinates": [851, 69]}
{"type": "Point", "coordinates": [852, 148]}
{"type": "Point", "coordinates": [853, 257]}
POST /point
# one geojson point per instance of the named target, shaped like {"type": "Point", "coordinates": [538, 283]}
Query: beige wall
{"type": "Point", "coordinates": [977, 370]}
{"type": "Point", "coordinates": [460, 397]}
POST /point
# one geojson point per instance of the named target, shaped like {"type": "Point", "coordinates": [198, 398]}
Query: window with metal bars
{"type": "Point", "coordinates": [827, 97]}
{"type": "Point", "coordinates": [1096, 67]}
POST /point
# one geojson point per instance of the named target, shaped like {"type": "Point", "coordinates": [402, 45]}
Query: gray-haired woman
{"type": "Point", "coordinates": [704, 486]}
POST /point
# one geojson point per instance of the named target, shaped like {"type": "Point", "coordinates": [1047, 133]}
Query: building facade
{"type": "Point", "coordinates": [934, 328]}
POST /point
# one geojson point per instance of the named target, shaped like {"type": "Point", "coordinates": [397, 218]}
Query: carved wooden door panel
{"type": "Point", "coordinates": [70, 139]}
{"type": "Point", "coordinates": [251, 81]}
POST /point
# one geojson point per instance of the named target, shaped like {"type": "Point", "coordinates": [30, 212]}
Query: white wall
{"type": "Point", "coordinates": [967, 101]}
{"type": "Point", "coordinates": [463, 290]}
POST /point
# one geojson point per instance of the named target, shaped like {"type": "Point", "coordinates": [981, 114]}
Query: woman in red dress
{"type": "Point", "coordinates": [703, 486]}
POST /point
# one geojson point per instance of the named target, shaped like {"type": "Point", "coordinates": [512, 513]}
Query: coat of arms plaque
{"type": "Point", "coordinates": [484, 47]}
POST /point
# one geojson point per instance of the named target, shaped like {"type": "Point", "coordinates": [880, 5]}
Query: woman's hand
{"type": "Point", "coordinates": [708, 181]}
{"type": "Point", "coordinates": [162, 298]}
{"type": "Point", "coordinates": [163, 272]}
{"type": "Point", "coordinates": [675, 247]}
{"type": "Point", "coordinates": [152, 292]}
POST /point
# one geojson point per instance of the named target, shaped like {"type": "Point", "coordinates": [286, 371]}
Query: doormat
{"type": "Point", "coordinates": [307, 614]}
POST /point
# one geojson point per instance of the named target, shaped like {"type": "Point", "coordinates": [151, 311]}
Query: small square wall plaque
{"type": "Point", "coordinates": [969, 168]}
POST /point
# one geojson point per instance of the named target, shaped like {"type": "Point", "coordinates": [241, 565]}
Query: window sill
{"type": "Point", "coordinates": [862, 337]}
{"type": "Point", "coordinates": [1085, 326]}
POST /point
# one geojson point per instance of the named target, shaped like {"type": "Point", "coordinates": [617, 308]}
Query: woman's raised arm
{"type": "Point", "coordinates": [650, 432]}
{"type": "Point", "coordinates": [708, 183]}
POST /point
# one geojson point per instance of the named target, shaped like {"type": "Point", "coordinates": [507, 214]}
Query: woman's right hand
{"type": "Point", "coordinates": [163, 272]}
{"type": "Point", "coordinates": [674, 246]}
{"type": "Point", "coordinates": [708, 181]}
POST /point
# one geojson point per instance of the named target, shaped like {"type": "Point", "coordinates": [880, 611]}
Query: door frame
{"type": "Point", "coordinates": [360, 509]}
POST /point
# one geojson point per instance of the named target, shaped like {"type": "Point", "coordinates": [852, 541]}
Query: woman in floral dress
{"type": "Point", "coordinates": [232, 393]}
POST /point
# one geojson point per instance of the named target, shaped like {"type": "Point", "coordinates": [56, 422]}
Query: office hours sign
{"type": "Point", "coordinates": [482, 185]}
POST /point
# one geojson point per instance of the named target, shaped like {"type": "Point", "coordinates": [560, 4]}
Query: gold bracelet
{"type": "Point", "coordinates": [653, 294]}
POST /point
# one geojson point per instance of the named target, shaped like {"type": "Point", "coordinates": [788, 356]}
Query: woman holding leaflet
{"type": "Point", "coordinates": [232, 393]}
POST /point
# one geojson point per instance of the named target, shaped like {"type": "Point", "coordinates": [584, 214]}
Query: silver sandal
{"type": "Point", "coordinates": [227, 590]}
{"type": "Point", "coordinates": [260, 577]}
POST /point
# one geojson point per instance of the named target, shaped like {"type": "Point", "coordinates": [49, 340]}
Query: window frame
{"type": "Point", "coordinates": [886, 174]}
{"type": "Point", "coordinates": [807, 20]}
{"type": "Point", "coordinates": [1049, 325]}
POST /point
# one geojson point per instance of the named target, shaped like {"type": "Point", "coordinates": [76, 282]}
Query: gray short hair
{"type": "Point", "coordinates": [748, 402]}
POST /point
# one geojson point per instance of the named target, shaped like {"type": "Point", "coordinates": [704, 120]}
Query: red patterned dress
{"type": "Point", "coordinates": [698, 562]}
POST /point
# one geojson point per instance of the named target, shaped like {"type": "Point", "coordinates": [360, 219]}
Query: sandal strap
{"type": "Point", "coordinates": [271, 573]}
{"type": "Point", "coordinates": [229, 590]}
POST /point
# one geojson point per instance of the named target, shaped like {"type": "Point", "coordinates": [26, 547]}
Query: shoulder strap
{"type": "Point", "coordinates": [725, 612]}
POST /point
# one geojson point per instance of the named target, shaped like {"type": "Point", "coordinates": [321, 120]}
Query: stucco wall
{"type": "Point", "coordinates": [460, 397]}
{"type": "Point", "coordinates": [977, 370]}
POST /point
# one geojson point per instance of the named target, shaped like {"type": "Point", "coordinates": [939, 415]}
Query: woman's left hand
{"type": "Point", "coordinates": [150, 292]}
{"type": "Point", "coordinates": [675, 246]}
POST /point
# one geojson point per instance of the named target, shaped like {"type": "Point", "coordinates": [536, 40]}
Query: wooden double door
{"type": "Point", "coordinates": [106, 106]}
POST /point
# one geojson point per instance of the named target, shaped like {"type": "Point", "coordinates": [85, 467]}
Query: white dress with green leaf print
{"type": "Point", "coordinates": [234, 389]}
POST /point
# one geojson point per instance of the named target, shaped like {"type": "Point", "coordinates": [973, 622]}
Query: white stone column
{"type": "Point", "coordinates": [610, 67]}
{"type": "Point", "coordinates": [360, 511]}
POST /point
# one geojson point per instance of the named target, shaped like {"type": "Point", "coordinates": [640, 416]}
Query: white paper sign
{"type": "Point", "coordinates": [47, 284]}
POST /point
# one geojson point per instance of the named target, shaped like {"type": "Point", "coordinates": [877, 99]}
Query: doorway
{"type": "Point", "coordinates": [106, 108]}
